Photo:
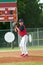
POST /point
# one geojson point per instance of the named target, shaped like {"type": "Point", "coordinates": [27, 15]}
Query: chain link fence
{"type": "Point", "coordinates": [36, 33]}
{"type": "Point", "coordinates": [37, 36]}
{"type": "Point", "coordinates": [3, 43]}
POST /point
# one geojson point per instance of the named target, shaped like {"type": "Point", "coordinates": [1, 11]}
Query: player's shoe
{"type": "Point", "coordinates": [22, 54]}
{"type": "Point", "coordinates": [25, 55]}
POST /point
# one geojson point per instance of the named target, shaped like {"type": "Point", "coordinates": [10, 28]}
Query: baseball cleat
{"type": "Point", "coordinates": [22, 54]}
{"type": "Point", "coordinates": [25, 55]}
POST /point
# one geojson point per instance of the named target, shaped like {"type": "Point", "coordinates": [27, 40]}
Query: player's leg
{"type": "Point", "coordinates": [25, 40]}
{"type": "Point", "coordinates": [21, 47]}
{"type": "Point", "coordinates": [25, 43]}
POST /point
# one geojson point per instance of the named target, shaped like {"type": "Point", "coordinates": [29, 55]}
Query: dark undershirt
{"type": "Point", "coordinates": [21, 28]}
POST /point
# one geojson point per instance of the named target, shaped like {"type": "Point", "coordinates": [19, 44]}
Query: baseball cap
{"type": "Point", "coordinates": [20, 20]}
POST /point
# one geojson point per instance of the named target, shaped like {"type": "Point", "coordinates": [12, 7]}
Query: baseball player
{"type": "Point", "coordinates": [22, 32]}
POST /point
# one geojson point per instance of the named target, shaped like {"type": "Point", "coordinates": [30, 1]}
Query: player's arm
{"type": "Point", "coordinates": [15, 28]}
{"type": "Point", "coordinates": [17, 25]}
{"type": "Point", "coordinates": [21, 28]}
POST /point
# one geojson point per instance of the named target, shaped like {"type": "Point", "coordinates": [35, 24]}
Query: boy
{"type": "Point", "coordinates": [22, 32]}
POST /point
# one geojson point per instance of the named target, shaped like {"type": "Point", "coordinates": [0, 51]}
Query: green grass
{"type": "Point", "coordinates": [35, 48]}
{"type": "Point", "coordinates": [23, 63]}
{"type": "Point", "coordinates": [9, 49]}
{"type": "Point", "coordinates": [17, 48]}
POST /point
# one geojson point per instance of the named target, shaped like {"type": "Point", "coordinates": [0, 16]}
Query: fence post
{"type": "Point", "coordinates": [38, 35]}
{"type": "Point", "coordinates": [11, 30]}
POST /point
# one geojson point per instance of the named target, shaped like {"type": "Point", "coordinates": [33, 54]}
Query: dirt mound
{"type": "Point", "coordinates": [6, 57]}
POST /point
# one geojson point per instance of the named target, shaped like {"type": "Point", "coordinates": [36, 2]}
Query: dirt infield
{"type": "Point", "coordinates": [6, 57]}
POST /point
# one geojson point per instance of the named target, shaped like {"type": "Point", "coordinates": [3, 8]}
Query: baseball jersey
{"type": "Point", "coordinates": [22, 31]}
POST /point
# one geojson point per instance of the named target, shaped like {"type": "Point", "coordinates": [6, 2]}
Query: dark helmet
{"type": "Point", "coordinates": [20, 20]}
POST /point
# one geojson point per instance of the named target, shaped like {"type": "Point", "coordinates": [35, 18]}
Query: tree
{"type": "Point", "coordinates": [4, 25]}
{"type": "Point", "coordinates": [21, 8]}
{"type": "Point", "coordinates": [29, 11]}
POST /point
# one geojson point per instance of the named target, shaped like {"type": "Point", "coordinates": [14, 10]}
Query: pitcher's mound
{"type": "Point", "coordinates": [6, 57]}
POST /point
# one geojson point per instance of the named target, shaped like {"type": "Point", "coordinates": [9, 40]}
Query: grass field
{"type": "Point", "coordinates": [23, 63]}
{"type": "Point", "coordinates": [17, 49]}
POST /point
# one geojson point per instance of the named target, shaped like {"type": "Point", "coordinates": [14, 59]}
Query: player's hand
{"type": "Point", "coordinates": [16, 27]}
{"type": "Point", "coordinates": [15, 30]}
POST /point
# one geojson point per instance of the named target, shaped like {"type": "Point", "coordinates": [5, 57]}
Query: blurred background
{"type": "Point", "coordinates": [32, 13]}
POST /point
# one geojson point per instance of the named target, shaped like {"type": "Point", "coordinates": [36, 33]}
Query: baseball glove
{"type": "Point", "coordinates": [17, 24]}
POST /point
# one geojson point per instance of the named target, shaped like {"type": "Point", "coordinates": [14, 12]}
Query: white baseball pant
{"type": "Point", "coordinates": [23, 43]}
